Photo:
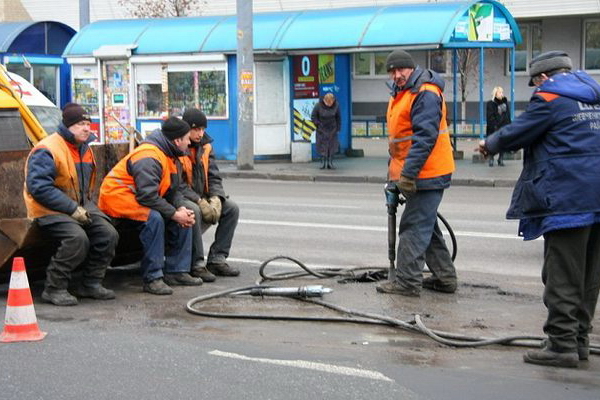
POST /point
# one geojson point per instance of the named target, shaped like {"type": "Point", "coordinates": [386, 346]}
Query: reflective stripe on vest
{"type": "Point", "coordinates": [66, 174]}
{"type": "Point", "coordinates": [440, 161]}
{"type": "Point", "coordinates": [118, 190]}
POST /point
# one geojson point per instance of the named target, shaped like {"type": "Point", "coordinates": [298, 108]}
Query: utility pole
{"type": "Point", "coordinates": [84, 13]}
{"type": "Point", "coordinates": [245, 85]}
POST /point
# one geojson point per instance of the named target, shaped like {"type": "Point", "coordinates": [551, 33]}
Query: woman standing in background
{"type": "Point", "coordinates": [327, 118]}
{"type": "Point", "coordinates": [497, 115]}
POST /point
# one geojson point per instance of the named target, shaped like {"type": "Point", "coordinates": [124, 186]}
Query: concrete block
{"type": "Point", "coordinates": [301, 152]}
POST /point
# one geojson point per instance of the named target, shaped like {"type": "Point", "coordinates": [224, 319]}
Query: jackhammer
{"type": "Point", "coordinates": [393, 198]}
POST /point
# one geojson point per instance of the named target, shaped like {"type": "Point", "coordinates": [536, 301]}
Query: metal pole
{"type": "Point", "coordinates": [245, 85]}
{"type": "Point", "coordinates": [84, 13]}
{"type": "Point", "coordinates": [481, 111]}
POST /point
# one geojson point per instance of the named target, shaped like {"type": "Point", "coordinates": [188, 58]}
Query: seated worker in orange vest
{"type": "Point", "coordinates": [205, 195]}
{"type": "Point", "coordinates": [421, 165]}
{"type": "Point", "coordinates": [59, 178]}
{"type": "Point", "coordinates": [141, 191]}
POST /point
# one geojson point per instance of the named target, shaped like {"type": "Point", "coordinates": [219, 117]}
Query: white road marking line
{"type": "Point", "coordinates": [487, 235]}
{"type": "Point", "coordinates": [332, 369]}
{"type": "Point", "coordinates": [297, 205]}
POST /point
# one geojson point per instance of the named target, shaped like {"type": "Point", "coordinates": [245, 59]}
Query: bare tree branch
{"type": "Point", "coordinates": [163, 8]}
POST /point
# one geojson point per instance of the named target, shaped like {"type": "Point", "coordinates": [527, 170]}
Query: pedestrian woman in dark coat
{"type": "Point", "coordinates": [327, 119]}
{"type": "Point", "coordinates": [497, 115]}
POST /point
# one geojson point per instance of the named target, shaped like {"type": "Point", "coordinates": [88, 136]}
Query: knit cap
{"type": "Point", "coordinates": [174, 128]}
{"type": "Point", "coordinates": [74, 113]}
{"type": "Point", "coordinates": [195, 118]}
{"type": "Point", "coordinates": [399, 59]}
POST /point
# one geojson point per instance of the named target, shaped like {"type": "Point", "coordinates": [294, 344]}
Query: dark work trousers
{"type": "Point", "coordinates": [420, 240]}
{"type": "Point", "coordinates": [219, 250]}
{"type": "Point", "coordinates": [92, 247]}
{"type": "Point", "coordinates": [167, 247]}
{"type": "Point", "coordinates": [571, 275]}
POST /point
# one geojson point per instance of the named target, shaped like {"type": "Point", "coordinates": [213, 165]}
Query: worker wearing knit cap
{"type": "Point", "coordinates": [142, 193]}
{"type": "Point", "coordinates": [59, 180]}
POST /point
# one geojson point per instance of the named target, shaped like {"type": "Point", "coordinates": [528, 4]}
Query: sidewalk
{"type": "Point", "coordinates": [373, 166]}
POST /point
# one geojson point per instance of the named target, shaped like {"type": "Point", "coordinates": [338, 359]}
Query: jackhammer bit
{"type": "Point", "coordinates": [392, 199]}
{"type": "Point", "coordinates": [302, 291]}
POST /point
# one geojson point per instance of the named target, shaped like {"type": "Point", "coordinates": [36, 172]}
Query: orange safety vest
{"type": "Point", "coordinates": [440, 161]}
{"type": "Point", "coordinates": [117, 192]}
{"type": "Point", "coordinates": [64, 155]}
{"type": "Point", "coordinates": [189, 161]}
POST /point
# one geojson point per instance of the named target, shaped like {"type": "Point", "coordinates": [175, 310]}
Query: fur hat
{"type": "Point", "coordinates": [174, 128]}
{"type": "Point", "coordinates": [195, 118]}
{"type": "Point", "coordinates": [399, 59]}
{"type": "Point", "coordinates": [74, 113]}
{"type": "Point", "coordinates": [547, 62]}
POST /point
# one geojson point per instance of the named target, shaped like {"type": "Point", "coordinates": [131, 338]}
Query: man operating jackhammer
{"type": "Point", "coordinates": [421, 165]}
{"type": "Point", "coordinates": [558, 196]}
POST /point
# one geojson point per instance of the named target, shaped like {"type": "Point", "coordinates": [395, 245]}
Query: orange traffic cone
{"type": "Point", "coordinates": [20, 322]}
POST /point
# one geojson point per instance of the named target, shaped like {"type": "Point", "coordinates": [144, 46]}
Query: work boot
{"type": "Point", "coordinates": [158, 287]}
{"type": "Point", "coordinates": [396, 288]}
{"type": "Point", "coordinates": [222, 269]}
{"type": "Point", "coordinates": [500, 163]}
{"type": "Point", "coordinates": [59, 297]}
{"type": "Point", "coordinates": [98, 292]}
{"type": "Point", "coordinates": [551, 358]}
{"type": "Point", "coordinates": [583, 348]}
{"type": "Point", "coordinates": [432, 283]}
{"type": "Point", "coordinates": [200, 271]}
{"type": "Point", "coordinates": [182, 279]}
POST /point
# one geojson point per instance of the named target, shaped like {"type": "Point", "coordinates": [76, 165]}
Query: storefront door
{"type": "Point", "coordinates": [271, 118]}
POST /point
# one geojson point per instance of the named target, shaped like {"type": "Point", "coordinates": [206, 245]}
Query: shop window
{"type": "Point", "coordinates": [206, 90]}
{"type": "Point", "coordinates": [362, 64]}
{"type": "Point", "coordinates": [592, 45]}
{"type": "Point", "coordinates": [379, 60]}
{"type": "Point", "coordinates": [85, 93]}
{"type": "Point", "coordinates": [530, 47]}
{"type": "Point", "coordinates": [150, 99]}
{"type": "Point", "coordinates": [43, 77]}
{"type": "Point", "coordinates": [85, 88]}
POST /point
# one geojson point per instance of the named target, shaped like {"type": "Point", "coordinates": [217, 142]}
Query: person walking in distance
{"type": "Point", "coordinates": [557, 196]}
{"type": "Point", "coordinates": [421, 165]}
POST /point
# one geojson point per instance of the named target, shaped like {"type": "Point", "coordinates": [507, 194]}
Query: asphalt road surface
{"type": "Point", "coordinates": [141, 346]}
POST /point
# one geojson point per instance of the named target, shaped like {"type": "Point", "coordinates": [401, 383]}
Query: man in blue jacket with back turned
{"type": "Point", "coordinates": [558, 196]}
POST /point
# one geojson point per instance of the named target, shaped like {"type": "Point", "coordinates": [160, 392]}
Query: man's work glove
{"type": "Point", "coordinates": [205, 210]}
{"type": "Point", "coordinates": [82, 216]}
{"type": "Point", "coordinates": [407, 186]}
{"type": "Point", "coordinates": [215, 204]}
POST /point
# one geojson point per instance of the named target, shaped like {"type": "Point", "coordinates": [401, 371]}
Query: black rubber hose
{"type": "Point", "coordinates": [451, 233]}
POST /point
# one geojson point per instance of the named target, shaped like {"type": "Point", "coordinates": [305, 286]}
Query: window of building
{"type": "Point", "coordinates": [370, 64]}
{"type": "Point", "coordinates": [437, 60]}
{"type": "Point", "coordinates": [202, 86]}
{"type": "Point", "coordinates": [530, 47]}
{"type": "Point", "coordinates": [44, 78]}
{"type": "Point", "coordinates": [591, 51]}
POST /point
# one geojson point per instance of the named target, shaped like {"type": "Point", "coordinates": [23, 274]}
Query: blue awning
{"type": "Point", "coordinates": [42, 37]}
{"type": "Point", "coordinates": [426, 25]}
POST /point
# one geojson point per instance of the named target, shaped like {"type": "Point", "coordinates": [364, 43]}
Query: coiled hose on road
{"type": "Point", "coordinates": [416, 325]}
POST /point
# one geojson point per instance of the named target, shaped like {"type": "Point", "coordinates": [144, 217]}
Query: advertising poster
{"type": "Point", "coordinates": [303, 126]}
{"type": "Point", "coordinates": [481, 22]}
{"type": "Point", "coordinates": [306, 78]}
{"type": "Point", "coordinates": [116, 111]}
{"type": "Point", "coordinates": [326, 68]}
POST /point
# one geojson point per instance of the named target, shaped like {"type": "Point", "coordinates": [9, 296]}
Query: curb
{"type": "Point", "coordinates": [356, 179]}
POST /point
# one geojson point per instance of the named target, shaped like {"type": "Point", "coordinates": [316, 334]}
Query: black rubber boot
{"type": "Point", "coordinates": [330, 163]}
{"type": "Point", "coordinates": [323, 163]}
